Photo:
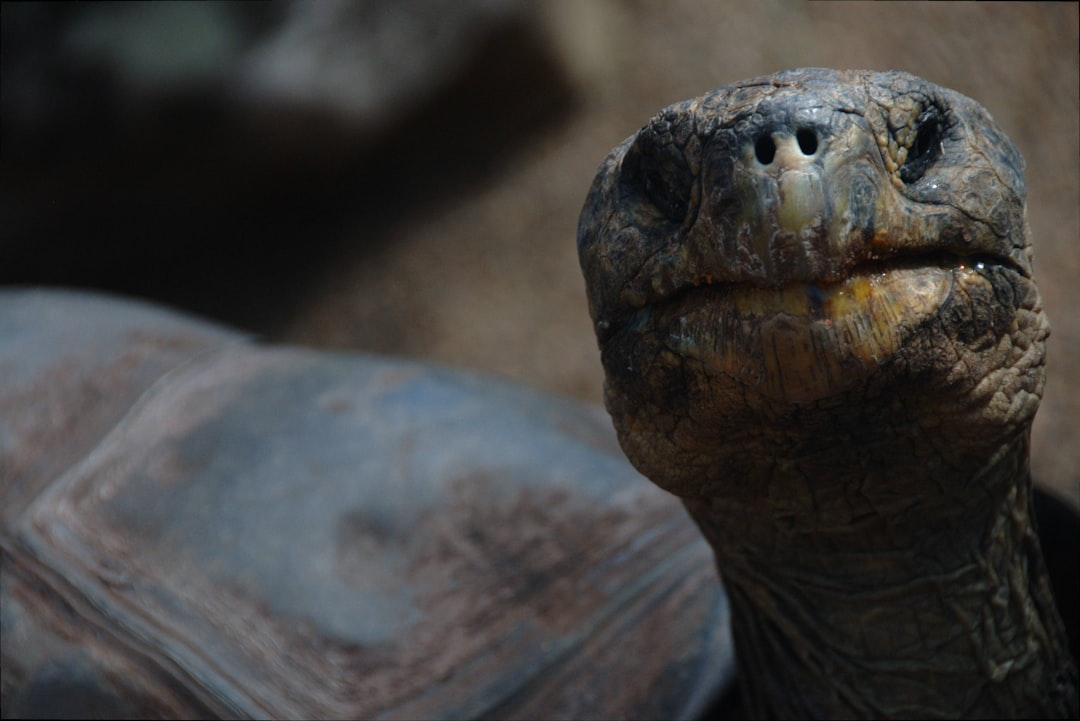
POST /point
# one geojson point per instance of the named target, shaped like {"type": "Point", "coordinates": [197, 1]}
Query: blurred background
{"type": "Point", "coordinates": [405, 177]}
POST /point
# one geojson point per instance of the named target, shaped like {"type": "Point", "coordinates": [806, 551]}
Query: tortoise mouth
{"type": "Point", "coordinates": [821, 300]}
{"type": "Point", "coordinates": [803, 341]}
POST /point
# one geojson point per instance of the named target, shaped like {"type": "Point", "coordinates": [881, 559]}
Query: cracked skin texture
{"type": "Point", "coordinates": [814, 302]}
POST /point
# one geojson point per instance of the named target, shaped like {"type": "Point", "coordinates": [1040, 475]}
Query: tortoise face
{"type": "Point", "coordinates": [787, 246]}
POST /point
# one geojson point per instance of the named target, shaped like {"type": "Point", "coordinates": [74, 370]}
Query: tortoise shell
{"type": "Point", "coordinates": [198, 525]}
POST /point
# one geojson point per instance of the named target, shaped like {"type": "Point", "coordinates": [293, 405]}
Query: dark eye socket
{"type": "Point", "coordinates": [660, 173]}
{"type": "Point", "coordinates": [667, 188]}
{"type": "Point", "coordinates": [926, 148]}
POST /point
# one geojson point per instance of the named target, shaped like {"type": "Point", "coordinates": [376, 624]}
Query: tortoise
{"type": "Point", "coordinates": [814, 302]}
{"type": "Point", "coordinates": [195, 524]}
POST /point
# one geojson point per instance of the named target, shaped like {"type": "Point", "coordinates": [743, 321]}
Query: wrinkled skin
{"type": "Point", "coordinates": [814, 302]}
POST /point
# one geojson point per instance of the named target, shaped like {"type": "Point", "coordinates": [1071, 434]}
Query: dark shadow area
{"type": "Point", "coordinates": [1059, 536]}
{"type": "Point", "coordinates": [229, 211]}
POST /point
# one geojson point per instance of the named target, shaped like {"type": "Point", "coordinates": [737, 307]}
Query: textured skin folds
{"type": "Point", "coordinates": [817, 319]}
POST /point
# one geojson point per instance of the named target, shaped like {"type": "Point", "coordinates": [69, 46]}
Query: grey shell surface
{"type": "Point", "coordinates": [194, 524]}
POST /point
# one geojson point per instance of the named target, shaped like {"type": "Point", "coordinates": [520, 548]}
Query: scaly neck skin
{"type": "Point", "coordinates": [910, 613]}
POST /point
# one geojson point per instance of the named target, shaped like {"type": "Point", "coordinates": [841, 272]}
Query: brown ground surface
{"type": "Point", "coordinates": [491, 281]}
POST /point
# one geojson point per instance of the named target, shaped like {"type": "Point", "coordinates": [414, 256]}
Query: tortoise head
{"type": "Point", "coordinates": [783, 267]}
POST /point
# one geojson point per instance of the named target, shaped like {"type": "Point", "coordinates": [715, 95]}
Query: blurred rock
{"type": "Point", "coordinates": [365, 60]}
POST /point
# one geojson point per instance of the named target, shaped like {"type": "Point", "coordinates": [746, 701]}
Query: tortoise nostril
{"type": "Point", "coordinates": [807, 141]}
{"type": "Point", "coordinates": [765, 149]}
{"type": "Point", "coordinates": [765, 146]}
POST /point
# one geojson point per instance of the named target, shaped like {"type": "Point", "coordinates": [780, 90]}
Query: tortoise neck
{"type": "Point", "coordinates": [955, 619]}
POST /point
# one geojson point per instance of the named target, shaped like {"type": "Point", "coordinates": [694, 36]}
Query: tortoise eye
{"type": "Point", "coordinates": [925, 149]}
{"type": "Point", "coordinates": [658, 171]}
{"type": "Point", "coordinates": [667, 190]}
